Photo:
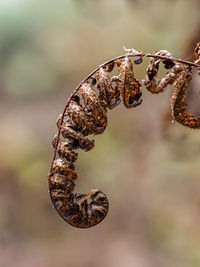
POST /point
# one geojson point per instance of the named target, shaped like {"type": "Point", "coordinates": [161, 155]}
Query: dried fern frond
{"type": "Point", "coordinates": [85, 114]}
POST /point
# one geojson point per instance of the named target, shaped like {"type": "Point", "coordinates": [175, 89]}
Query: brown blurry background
{"type": "Point", "coordinates": [148, 167]}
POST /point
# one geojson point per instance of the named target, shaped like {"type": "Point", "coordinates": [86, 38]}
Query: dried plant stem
{"type": "Point", "coordinates": [85, 114]}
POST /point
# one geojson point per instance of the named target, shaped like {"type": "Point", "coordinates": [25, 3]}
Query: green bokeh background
{"type": "Point", "coordinates": [148, 167]}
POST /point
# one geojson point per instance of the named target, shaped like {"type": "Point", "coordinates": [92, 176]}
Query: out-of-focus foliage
{"type": "Point", "coordinates": [148, 167]}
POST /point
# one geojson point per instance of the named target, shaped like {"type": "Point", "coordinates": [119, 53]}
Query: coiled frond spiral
{"type": "Point", "coordinates": [85, 114]}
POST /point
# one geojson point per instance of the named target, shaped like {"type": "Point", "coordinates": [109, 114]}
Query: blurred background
{"type": "Point", "coordinates": [148, 167]}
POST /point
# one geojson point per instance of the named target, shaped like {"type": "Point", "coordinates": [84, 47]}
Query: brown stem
{"type": "Point", "coordinates": [139, 54]}
{"type": "Point", "coordinates": [174, 59]}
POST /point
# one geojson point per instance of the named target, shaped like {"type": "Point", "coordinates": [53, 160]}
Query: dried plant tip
{"type": "Point", "coordinates": [85, 114]}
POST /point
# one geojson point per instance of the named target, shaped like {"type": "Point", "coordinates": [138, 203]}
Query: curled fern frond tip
{"type": "Point", "coordinates": [85, 114]}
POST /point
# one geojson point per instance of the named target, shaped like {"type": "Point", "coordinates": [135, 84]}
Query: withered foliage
{"type": "Point", "coordinates": [85, 114]}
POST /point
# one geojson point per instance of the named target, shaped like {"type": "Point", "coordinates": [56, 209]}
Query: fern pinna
{"type": "Point", "coordinates": [85, 114]}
